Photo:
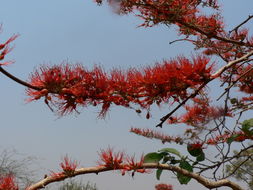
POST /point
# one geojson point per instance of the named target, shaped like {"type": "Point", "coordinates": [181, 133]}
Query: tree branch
{"type": "Point", "coordinates": [240, 43]}
{"type": "Point", "coordinates": [18, 80]}
{"type": "Point", "coordinates": [202, 180]}
{"type": "Point", "coordinates": [231, 63]}
{"type": "Point", "coordinates": [244, 22]}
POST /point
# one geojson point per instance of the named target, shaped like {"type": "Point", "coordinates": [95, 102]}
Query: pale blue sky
{"type": "Point", "coordinates": [52, 31]}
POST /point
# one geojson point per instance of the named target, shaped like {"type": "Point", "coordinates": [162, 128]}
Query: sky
{"type": "Point", "coordinates": [79, 31]}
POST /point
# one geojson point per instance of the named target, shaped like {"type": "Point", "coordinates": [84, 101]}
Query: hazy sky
{"type": "Point", "coordinates": [79, 31]}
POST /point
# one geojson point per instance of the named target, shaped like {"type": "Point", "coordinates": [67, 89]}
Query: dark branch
{"type": "Point", "coordinates": [164, 118]}
{"type": "Point", "coordinates": [244, 22]}
{"type": "Point", "coordinates": [18, 80]}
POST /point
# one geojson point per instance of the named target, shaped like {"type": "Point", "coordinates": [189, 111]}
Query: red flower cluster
{"type": "Point", "coordinates": [184, 13]}
{"type": "Point", "coordinates": [245, 83]}
{"type": "Point", "coordinates": [156, 135]}
{"type": "Point", "coordinates": [5, 49]}
{"type": "Point", "coordinates": [110, 159]}
{"type": "Point", "coordinates": [68, 166]}
{"type": "Point", "coordinates": [228, 51]}
{"type": "Point", "coordinates": [120, 161]}
{"type": "Point", "coordinates": [134, 165]}
{"type": "Point", "coordinates": [237, 137]}
{"type": "Point", "coordinates": [200, 24]}
{"type": "Point", "coordinates": [194, 146]}
{"type": "Point", "coordinates": [68, 86]}
{"type": "Point", "coordinates": [8, 183]}
{"type": "Point", "coordinates": [163, 186]}
{"type": "Point", "coordinates": [200, 113]}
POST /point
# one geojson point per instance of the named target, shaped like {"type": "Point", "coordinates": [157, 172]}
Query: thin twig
{"type": "Point", "coordinates": [183, 39]}
{"type": "Point", "coordinates": [244, 22]}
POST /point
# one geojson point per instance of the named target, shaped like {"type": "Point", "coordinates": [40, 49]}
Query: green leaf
{"type": "Point", "coordinates": [246, 125]}
{"type": "Point", "coordinates": [152, 157]}
{"type": "Point", "coordinates": [182, 178]}
{"type": "Point", "coordinates": [201, 157]}
{"type": "Point", "coordinates": [232, 138]}
{"type": "Point", "coordinates": [233, 100]}
{"type": "Point", "coordinates": [194, 151]}
{"type": "Point", "coordinates": [186, 165]}
{"type": "Point", "coordinates": [171, 150]}
{"type": "Point", "coordinates": [158, 173]}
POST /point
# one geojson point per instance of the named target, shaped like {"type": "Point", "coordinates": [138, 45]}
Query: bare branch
{"type": "Point", "coordinates": [239, 25]}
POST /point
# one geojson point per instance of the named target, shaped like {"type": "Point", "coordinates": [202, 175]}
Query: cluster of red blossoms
{"type": "Point", "coordinates": [152, 134]}
{"type": "Point", "coordinates": [200, 113]}
{"type": "Point", "coordinates": [69, 86]}
{"type": "Point", "coordinates": [5, 49]}
{"type": "Point", "coordinates": [108, 159]}
{"type": "Point", "coordinates": [119, 161]}
{"type": "Point", "coordinates": [207, 30]}
{"type": "Point", "coordinates": [238, 136]}
{"type": "Point", "coordinates": [183, 13]}
{"type": "Point", "coordinates": [245, 83]}
{"type": "Point", "coordinates": [228, 51]}
{"type": "Point", "coordinates": [68, 165]}
{"type": "Point", "coordinates": [8, 183]}
{"type": "Point", "coordinates": [163, 186]}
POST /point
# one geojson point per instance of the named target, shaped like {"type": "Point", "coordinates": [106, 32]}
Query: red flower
{"type": "Point", "coordinates": [56, 175]}
{"type": "Point", "coordinates": [72, 86]}
{"type": "Point", "coordinates": [135, 165]}
{"type": "Point", "coordinates": [200, 113]}
{"type": "Point", "coordinates": [195, 146]}
{"type": "Point", "coordinates": [148, 133]}
{"type": "Point", "coordinates": [110, 159]}
{"type": "Point", "coordinates": [2, 46]}
{"type": "Point", "coordinates": [238, 136]}
{"type": "Point", "coordinates": [195, 149]}
{"type": "Point", "coordinates": [163, 186]}
{"type": "Point", "coordinates": [68, 165]}
{"type": "Point", "coordinates": [8, 183]}
{"type": "Point", "coordinates": [246, 82]}
{"type": "Point", "coordinates": [6, 49]}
